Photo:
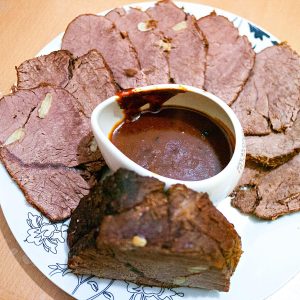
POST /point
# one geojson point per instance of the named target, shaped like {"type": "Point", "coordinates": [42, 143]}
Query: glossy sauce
{"type": "Point", "coordinates": [175, 142]}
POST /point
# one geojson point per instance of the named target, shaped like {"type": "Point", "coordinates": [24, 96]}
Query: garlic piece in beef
{"type": "Point", "coordinates": [164, 44]}
{"type": "Point", "coordinates": [146, 26]}
{"type": "Point", "coordinates": [15, 136]}
{"type": "Point", "coordinates": [139, 241]}
{"type": "Point", "coordinates": [179, 26]}
{"type": "Point", "coordinates": [45, 106]}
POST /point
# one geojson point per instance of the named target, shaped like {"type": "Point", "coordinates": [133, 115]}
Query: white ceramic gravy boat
{"type": "Point", "coordinates": [108, 113]}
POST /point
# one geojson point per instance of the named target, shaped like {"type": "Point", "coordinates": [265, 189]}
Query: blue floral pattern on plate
{"type": "Point", "coordinates": [151, 293]}
{"type": "Point", "coordinates": [90, 281]}
{"type": "Point", "coordinates": [258, 33]}
{"type": "Point", "coordinates": [44, 233]}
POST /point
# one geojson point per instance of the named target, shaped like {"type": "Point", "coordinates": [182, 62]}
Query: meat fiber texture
{"type": "Point", "coordinates": [269, 110]}
{"type": "Point", "coordinates": [274, 149]}
{"type": "Point", "coordinates": [45, 145]}
{"type": "Point", "coordinates": [146, 38]}
{"type": "Point", "coordinates": [88, 32]}
{"type": "Point", "coordinates": [87, 78]}
{"type": "Point", "coordinates": [53, 69]}
{"type": "Point", "coordinates": [134, 230]}
{"type": "Point", "coordinates": [229, 59]}
{"type": "Point", "coordinates": [270, 101]}
{"type": "Point", "coordinates": [269, 194]}
{"type": "Point", "coordinates": [91, 81]}
{"type": "Point", "coordinates": [183, 42]}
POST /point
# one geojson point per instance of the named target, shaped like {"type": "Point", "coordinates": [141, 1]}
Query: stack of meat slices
{"type": "Point", "coordinates": [269, 110]}
{"type": "Point", "coordinates": [45, 137]}
{"type": "Point", "coordinates": [46, 141]}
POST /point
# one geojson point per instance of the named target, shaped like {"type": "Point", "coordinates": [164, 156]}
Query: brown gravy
{"type": "Point", "coordinates": [175, 142]}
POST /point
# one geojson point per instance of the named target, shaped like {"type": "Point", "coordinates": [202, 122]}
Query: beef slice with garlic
{"type": "Point", "coordinates": [183, 42]}
{"type": "Point", "coordinates": [146, 38]}
{"type": "Point", "coordinates": [53, 132]}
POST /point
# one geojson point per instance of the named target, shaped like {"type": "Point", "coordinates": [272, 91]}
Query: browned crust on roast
{"type": "Point", "coordinates": [181, 228]}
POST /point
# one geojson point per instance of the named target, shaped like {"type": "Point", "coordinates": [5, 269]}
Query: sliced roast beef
{"type": "Point", "coordinates": [229, 59]}
{"type": "Point", "coordinates": [270, 99]}
{"type": "Point", "coordinates": [167, 14]}
{"type": "Point", "coordinates": [146, 38]}
{"type": "Point", "coordinates": [244, 196]}
{"type": "Point", "coordinates": [276, 148]}
{"type": "Point", "coordinates": [88, 78]}
{"type": "Point", "coordinates": [91, 81]}
{"type": "Point", "coordinates": [158, 230]}
{"type": "Point", "coordinates": [53, 190]}
{"type": "Point", "coordinates": [183, 41]}
{"type": "Point", "coordinates": [14, 112]}
{"type": "Point", "coordinates": [252, 173]}
{"type": "Point", "coordinates": [52, 69]}
{"type": "Point", "coordinates": [54, 132]}
{"type": "Point", "coordinates": [87, 32]}
{"type": "Point", "coordinates": [43, 137]}
{"type": "Point", "coordinates": [269, 194]}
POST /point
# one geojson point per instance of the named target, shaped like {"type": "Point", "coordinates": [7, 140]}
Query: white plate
{"type": "Point", "coordinates": [271, 249]}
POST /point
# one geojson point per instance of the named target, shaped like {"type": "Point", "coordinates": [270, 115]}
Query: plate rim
{"type": "Point", "coordinates": [42, 52]}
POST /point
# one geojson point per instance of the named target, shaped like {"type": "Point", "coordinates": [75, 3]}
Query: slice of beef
{"type": "Point", "coordinates": [162, 238]}
{"type": "Point", "coordinates": [276, 148]}
{"type": "Point", "coordinates": [145, 37]}
{"type": "Point", "coordinates": [229, 59]}
{"type": "Point", "coordinates": [244, 197]}
{"type": "Point", "coordinates": [43, 137]}
{"type": "Point", "coordinates": [91, 81]}
{"type": "Point", "coordinates": [88, 78]}
{"type": "Point", "coordinates": [251, 173]}
{"type": "Point", "coordinates": [53, 69]}
{"type": "Point", "coordinates": [53, 190]}
{"type": "Point", "coordinates": [270, 99]}
{"type": "Point", "coordinates": [53, 132]}
{"type": "Point", "coordinates": [183, 41]}
{"type": "Point", "coordinates": [14, 112]}
{"type": "Point", "coordinates": [168, 14]}
{"type": "Point", "coordinates": [87, 32]}
{"type": "Point", "coordinates": [271, 193]}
